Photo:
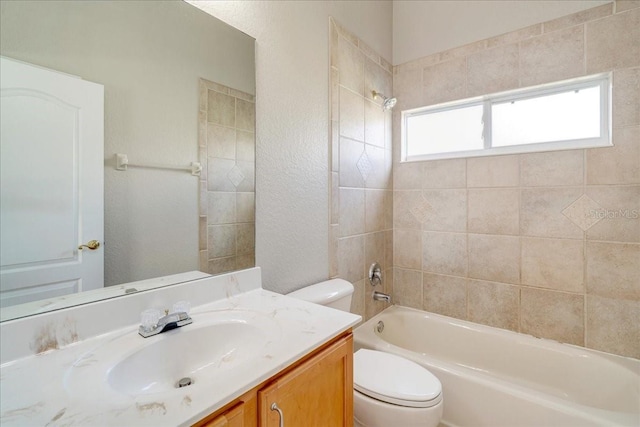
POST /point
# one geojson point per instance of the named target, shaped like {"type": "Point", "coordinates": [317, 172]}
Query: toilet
{"type": "Point", "coordinates": [388, 389]}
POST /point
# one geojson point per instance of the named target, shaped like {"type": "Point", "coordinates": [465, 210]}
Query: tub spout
{"type": "Point", "coordinates": [379, 296]}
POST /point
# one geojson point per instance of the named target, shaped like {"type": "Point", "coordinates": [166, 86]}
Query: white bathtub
{"type": "Point", "coordinates": [496, 378]}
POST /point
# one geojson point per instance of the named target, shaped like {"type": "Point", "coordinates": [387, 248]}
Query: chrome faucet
{"type": "Point", "coordinates": [380, 296]}
{"type": "Point", "coordinates": [153, 325]}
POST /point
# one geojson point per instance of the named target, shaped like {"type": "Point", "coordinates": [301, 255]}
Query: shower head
{"type": "Point", "coordinates": [387, 103]}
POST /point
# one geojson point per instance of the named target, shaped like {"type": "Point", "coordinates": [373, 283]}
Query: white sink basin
{"type": "Point", "coordinates": [213, 345]}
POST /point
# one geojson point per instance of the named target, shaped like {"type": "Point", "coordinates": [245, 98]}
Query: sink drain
{"type": "Point", "coordinates": [184, 382]}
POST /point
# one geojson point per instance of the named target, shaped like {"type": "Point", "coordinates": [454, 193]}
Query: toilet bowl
{"type": "Point", "coordinates": [389, 390]}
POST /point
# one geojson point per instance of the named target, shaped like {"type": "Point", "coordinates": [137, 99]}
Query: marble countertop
{"type": "Point", "coordinates": [70, 387]}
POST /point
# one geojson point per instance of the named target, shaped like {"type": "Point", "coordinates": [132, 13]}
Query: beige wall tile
{"type": "Point", "coordinates": [351, 115]}
{"type": "Point", "coordinates": [374, 250]}
{"type": "Point", "coordinates": [618, 164]}
{"type": "Point", "coordinates": [245, 207]}
{"type": "Point", "coordinates": [202, 233]}
{"type": "Point", "coordinates": [494, 211]}
{"type": "Point", "coordinates": [552, 169]}
{"type": "Point", "coordinates": [221, 208]}
{"type": "Point", "coordinates": [612, 326]}
{"type": "Point", "coordinates": [375, 210]}
{"type": "Point", "coordinates": [444, 253]}
{"type": "Point", "coordinates": [335, 198]}
{"type": "Point", "coordinates": [541, 212]}
{"type": "Point", "coordinates": [334, 233]}
{"type": "Point", "coordinates": [217, 171]}
{"type": "Point", "coordinates": [626, 97]}
{"type": "Point", "coordinates": [373, 124]}
{"type": "Point", "coordinates": [445, 174]}
{"type": "Point", "coordinates": [462, 51]}
{"type": "Point", "coordinates": [221, 109]}
{"type": "Point", "coordinates": [445, 81]}
{"type": "Point", "coordinates": [221, 265]}
{"type": "Point", "coordinates": [553, 56]}
{"type": "Point", "coordinates": [248, 170]}
{"type": "Point", "coordinates": [613, 42]}
{"type": "Point", "coordinates": [579, 18]}
{"type": "Point", "coordinates": [446, 295]}
{"type": "Point", "coordinates": [245, 115]}
{"type": "Point", "coordinates": [352, 207]}
{"type": "Point", "coordinates": [493, 171]}
{"type": "Point", "coordinates": [404, 206]}
{"type": "Point", "coordinates": [350, 153]}
{"type": "Point", "coordinates": [407, 288]}
{"type": "Point", "coordinates": [407, 249]}
{"type": "Point", "coordinates": [554, 315]}
{"type": "Point", "coordinates": [407, 85]}
{"type": "Point", "coordinates": [515, 36]}
{"type": "Point", "coordinates": [245, 146]}
{"type": "Point", "coordinates": [203, 260]}
{"type": "Point", "coordinates": [245, 261]}
{"type": "Point", "coordinates": [380, 174]}
{"type": "Point", "coordinates": [378, 79]}
{"type": "Point", "coordinates": [357, 301]}
{"type": "Point", "coordinates": [408, 176]}
{"type": "Point", "coordinates": [221, 141]}
{"type": "Point", "coordinates": [493, 304]}
{"type": "Point", "coordinates": [624, 5]}
{"type": "Point", "coordinates": [388, 209]}
{"type": "Point", "coordinates": [613, 270]}
{"type": "Point", "coordinates": [221, 240]}
{"type": "Point", "coordinates": [388, 250]}
{"type": "Point", "coordinates": [619, 211]}
{"type": "Point", "coordinates": [553, 264]}
{"type": "Point", "coordinates": [448, 210]}
{"type": "Point", "coordinates": [335, 146]}
{"type": "Point", "coordinates": [493, 70]}
{"type": "Point", "coordinates": [495, 258]}
{"type": "Point", "coordinates": [351, 258]}
{"type": "Point", "coordinates": [335, 94]}
{"type": "Point", "coordinates": [245, 239]}
{"type": "Point", "coordinates": [202, 197]}
{"type": "Point", "coordinates": [350, 66]}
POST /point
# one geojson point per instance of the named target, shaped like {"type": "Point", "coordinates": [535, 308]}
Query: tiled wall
{"type": "Point", "coordinates": [361, 168]}
{"type": "Point", "coordinates": [226, 138]}
{"type": "Point", "coordinates": [509, 241]}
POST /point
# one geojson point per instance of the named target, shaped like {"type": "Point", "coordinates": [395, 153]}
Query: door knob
{"type": "Point", "coordinates": [91, 244]}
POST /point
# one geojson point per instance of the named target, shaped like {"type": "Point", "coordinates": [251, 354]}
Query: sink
{"type": "Point", "coordinates": [213, 345]}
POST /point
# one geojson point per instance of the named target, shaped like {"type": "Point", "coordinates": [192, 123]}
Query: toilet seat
{"type": "Point", "coordinates": [395, 380]}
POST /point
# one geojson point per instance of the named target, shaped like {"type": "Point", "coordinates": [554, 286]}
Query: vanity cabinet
{"type": "Point", "coordinates": [315, 391]}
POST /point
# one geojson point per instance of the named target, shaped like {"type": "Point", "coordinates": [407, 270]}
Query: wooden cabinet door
{"type": "Point", "coordinates": [318, 392]}
{"type": "Point", "coordinates": [241, 414]}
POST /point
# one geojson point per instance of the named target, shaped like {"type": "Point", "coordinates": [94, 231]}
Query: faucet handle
{"type": "Point", "coordinates": [149, 318]}
{"type": "Point", "coordinates": [181, 306]}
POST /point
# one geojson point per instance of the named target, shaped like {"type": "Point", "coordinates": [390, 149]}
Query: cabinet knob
{"type": "Point", "coordinates": [274, 407]}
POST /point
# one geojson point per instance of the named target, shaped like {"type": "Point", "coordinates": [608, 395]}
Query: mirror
{"type": "Point", "coordinates": [160, 63]}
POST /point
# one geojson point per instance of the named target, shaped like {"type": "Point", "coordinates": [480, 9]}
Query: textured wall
{"type": "Point", "coordinates": [508, 241]}
{"type": "Point", "coordinates": [361, 168]}
{"type": "Point", "coordinates": [292, 120]}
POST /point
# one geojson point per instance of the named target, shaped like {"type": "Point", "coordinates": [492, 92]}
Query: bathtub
{"type": "Point", "coordinates": [497, 378]}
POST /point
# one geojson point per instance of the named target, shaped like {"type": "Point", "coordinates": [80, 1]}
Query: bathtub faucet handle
{"type": "Point", "coordinates": [375, 274]}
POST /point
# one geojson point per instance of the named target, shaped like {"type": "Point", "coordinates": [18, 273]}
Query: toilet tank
{"type": "Point", "coordinates": [334, 293]}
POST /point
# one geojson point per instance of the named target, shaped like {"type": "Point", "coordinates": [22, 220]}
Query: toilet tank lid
{"type": "Point", "coordinates": [324, 292]}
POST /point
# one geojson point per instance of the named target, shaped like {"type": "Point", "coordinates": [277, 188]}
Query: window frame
{"type": "Point", "coordinates": [604, 80]}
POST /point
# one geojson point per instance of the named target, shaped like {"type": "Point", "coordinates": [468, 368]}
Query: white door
{"type": "Point", "coordinates": [51, 178]}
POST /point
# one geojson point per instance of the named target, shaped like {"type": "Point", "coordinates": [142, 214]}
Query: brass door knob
{"type": "Point", "coordinates": [91, 244]}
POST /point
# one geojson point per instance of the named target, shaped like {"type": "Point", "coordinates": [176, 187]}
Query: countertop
{"type": "Point", "coordinates": [70, 386]}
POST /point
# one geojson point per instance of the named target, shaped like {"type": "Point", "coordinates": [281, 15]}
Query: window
{"type": "Point", "coordinates": [558, 116]}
